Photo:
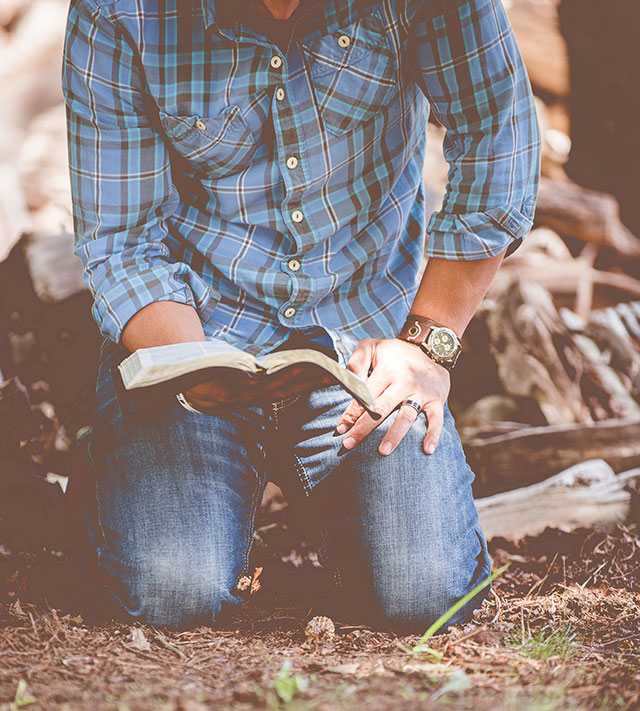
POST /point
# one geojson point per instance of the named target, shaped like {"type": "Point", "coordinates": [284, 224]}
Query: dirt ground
{"type": "Point", "coordinates": [561, 630]}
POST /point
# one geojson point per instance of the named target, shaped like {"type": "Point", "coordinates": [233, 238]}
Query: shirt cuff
{"type": "Point", "coordinates": [478, 235]}
{"type": "Point", "coordinates": [116, 304]}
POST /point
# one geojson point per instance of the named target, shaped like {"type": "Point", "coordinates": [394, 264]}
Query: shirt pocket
{"type": "Point", "coordinates": [216, 146]}
{"type": "Point", "coordinates": [353, 74]}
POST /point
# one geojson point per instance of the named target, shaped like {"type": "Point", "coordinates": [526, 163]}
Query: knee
{"type": "Point", "coordinates": [408, 610]}
{"type": "Point", "coordinates": [410, 601]}
{"type": "Point", "coordinates": [161, 591]}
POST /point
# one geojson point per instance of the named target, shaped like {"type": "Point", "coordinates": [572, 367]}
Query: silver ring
{"type": "Point", "coordinates": [412, 403]}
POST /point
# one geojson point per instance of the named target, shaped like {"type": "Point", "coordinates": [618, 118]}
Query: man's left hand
{"type": "Point", "coordinates": [394, 371]}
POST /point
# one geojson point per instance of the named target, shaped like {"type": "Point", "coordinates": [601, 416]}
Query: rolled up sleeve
{"type": "Point", "coordinates": [465, 58]}
{"type": "Point", "coordinates": [120, 177]}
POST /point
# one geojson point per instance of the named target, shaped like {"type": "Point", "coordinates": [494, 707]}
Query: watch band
{"type": "Point", "coordinates": [417, 329]}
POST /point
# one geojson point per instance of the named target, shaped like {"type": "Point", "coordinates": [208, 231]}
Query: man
{"type": "Point", "coordinates": [252, 171]}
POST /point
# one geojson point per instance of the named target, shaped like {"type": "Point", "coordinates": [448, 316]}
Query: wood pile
{"type": "Point", "coordinates": [546, 395]}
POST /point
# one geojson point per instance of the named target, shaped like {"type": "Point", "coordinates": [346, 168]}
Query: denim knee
{"type": "Point", "coordinates": [414, 611]}
{"type": "Point", "coordinates": [411, 598]}
{"type": "Point", "coordinates": [162, 591]}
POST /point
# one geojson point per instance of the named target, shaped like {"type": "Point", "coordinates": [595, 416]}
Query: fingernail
{"type": "Point", "coordinates": [349, 442]}
{"type": "Point", "coordinates": [430, 448]}
{"type": "Point", "coordinates": [341, 428]}
{"type": "Point", "coordinates": [386, 448]}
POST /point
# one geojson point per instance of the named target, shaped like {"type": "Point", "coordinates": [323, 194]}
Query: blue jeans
{"type": "Point", "coordinates": [173, 499]}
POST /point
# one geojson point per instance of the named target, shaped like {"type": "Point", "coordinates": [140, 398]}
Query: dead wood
{"type": "Point", "coordinates": [537, 356]}
{"type": "Point", "coordinates": [55, 271]}
{"type": "Point", "coordinates": [588, 215]}
{"type": "Point", "coordinates": [528, 456]}
{"type": "Point", "coordinates": [587, 494]}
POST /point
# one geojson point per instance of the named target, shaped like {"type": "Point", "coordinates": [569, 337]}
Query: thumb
{"type": "Point", "coordinates": [360, 361]}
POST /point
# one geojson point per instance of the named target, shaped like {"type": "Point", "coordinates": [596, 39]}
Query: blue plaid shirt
{"type": "Point", "coordinates": [280, 190]}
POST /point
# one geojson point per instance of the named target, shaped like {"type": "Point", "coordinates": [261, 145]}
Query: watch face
{"type": "Point", "coordinates": [443, 342]}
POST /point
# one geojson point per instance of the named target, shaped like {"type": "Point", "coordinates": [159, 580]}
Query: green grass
{"type": "Point", "coordinates": [422, 647]}
{"type": "Point", "coordinates": [560, 642]}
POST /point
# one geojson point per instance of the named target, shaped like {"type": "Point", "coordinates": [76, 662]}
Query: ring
{"type": "Point", "coordinates": [412, 403]}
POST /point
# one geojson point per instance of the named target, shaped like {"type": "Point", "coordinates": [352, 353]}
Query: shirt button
{"type": "Point", "coordinates": [294, 265]}
{"type": "Point", "coordinates": [279, 93]}
{"type": "Point", "coordinates": [297, 216]}
{"type": "Point", "coordinates": [201, 125]}
{"type": "Point", "coordinates": [292, 162]}
{"type": "Point", "coordinates": [290, 312]}
{"type": "Point", "coordinates": [344, 41]}
{"type": "Point", "coordinates": [276, 62]}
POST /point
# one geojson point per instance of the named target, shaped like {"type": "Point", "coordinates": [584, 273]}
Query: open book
{"type": "Point", "coordinates": [152, 375]}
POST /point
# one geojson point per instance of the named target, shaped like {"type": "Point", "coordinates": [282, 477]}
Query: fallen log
{"type": "Point", "coordinates": [528, 456]}
{"type": "Point", "coordinates": [538, 356]}
{"type": "Point", "coordinates": [587, 215]}
{"type": "Point", "coordinates": [586, 494]}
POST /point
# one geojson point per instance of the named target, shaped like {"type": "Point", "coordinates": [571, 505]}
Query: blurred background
{"type": "Point", "coordinates": [555, 346]}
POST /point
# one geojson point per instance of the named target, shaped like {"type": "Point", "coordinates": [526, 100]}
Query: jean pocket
{"type": "Point", "coordinates": [353, 73]}
{"type": "Point", "coordinates": [216, 146]}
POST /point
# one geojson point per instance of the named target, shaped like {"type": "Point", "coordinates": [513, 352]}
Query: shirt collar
{"type": "Point", "coordinates": [218, 12]}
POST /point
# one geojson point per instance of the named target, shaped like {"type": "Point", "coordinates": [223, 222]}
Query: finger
{"type": "Point", "coordinates": [434, 411]}
{"type": "Point", "coordinates": [360, 360]}
{"type": "Point", "coordinates": [365, 424]}
{"type": "Point", "coordinates": [377, 384]}
{"type": "Point", "coordinates": [401, 425]}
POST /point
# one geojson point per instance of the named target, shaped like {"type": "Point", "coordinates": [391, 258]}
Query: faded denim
{"type": "Point", "coordinates": [173, 499]}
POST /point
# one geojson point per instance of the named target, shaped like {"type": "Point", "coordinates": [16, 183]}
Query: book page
{"type": "Point", "coordinates": [149, 366]}
{"type": "Point", "coordinates": [273, 362]}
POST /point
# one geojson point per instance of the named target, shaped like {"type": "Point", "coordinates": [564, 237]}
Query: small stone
{"type": "Point", "coordinates": [320, 629]}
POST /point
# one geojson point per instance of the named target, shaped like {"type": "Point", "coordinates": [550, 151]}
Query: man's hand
{"type": "Point", "coordinates": [396, 371]}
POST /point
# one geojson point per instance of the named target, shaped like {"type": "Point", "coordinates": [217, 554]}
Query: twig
{"type": "Point", "coordinates": [595, 572]}
{"type": "Point", "coordinates": [29, 651]}
{"type": "Point", "coordinates": [625, 575]}
{"type": "Point", "coordinates": [498, 605]}
{"type": "Point", "coordinates": [33, 624]}
{"type": "Point", "coordinates": [621, 639]}
{"type": "Point", "coordinates": [165, 642]}
{"type": "Point", "coordinates": [542, 581]}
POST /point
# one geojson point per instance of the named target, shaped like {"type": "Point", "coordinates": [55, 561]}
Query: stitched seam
{"type": "Point", "coordinates": [302, 475]}
{"type": "Point", "coordinates": [103, 535]}
{"type": "Point", "coordinates": [256, 499]}
{"type": "Point", "coordinates": [281, 404]}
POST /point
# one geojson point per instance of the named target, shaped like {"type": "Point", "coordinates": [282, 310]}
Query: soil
{"type": "Point", "coordinates": [560, 630]}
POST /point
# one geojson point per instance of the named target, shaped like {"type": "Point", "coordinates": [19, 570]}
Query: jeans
{"type": "Point", "coordinates": [168, 525]}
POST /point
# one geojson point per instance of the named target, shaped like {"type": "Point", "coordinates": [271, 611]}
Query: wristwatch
{"type": "Point", "coordinates": [440, 343]}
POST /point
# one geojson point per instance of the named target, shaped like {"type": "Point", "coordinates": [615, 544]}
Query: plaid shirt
{"type": "Point", "coordinates": [276, 191]}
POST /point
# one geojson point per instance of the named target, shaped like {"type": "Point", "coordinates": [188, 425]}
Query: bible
{"type": "Point", "coordinates": [150, 376]}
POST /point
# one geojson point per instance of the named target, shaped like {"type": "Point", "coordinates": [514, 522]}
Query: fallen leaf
{"type": "Point", "coordinates": [16, 609]}
{"type": "Point", "coordinates": [255, 583]}
{"type": "Point", "coordinates": [244, 583]}
{"type": "Point", "coordinates": [138, 640]}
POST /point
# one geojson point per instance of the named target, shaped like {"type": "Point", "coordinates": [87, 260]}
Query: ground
{"type": "Point", "coordinates": [561, 630]}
